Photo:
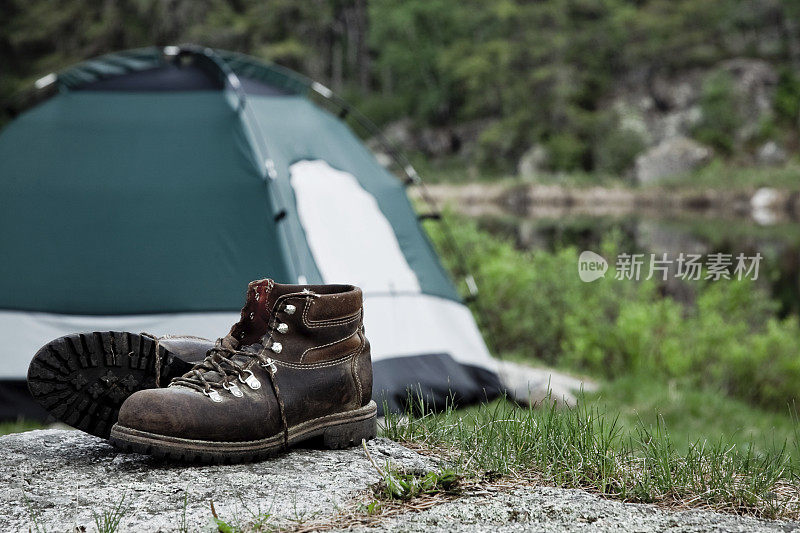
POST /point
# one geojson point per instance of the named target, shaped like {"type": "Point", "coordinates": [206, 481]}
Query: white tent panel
{"type": "Point", "coordinates": [396, 325]}
{"type": "Point", "coordinates": [419, 324]}
{"type": "Point", "coordinates": [348, 235]}
{"type": "Point", "coordinates": [24, 333]}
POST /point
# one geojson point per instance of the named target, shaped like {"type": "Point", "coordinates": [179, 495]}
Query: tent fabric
{"type": "Point", "coordinates": [16, 402]}
{"type": "Point", "coordinates": [162, 78]}
{"type": "Point", "coordinates": [436, 380]}
{"type": "Point", "coordinates": [23, 332]}
{"type": "Point", "coordinates": [117, 203]}
{"type": "Point", "coordinates": [350, 239]}
{"type": "Point", "coordinates": [403, 325]}
{"type": "Point", "coordinates": [397, 325]}
{"type": "Point", "coordinates": [135, 199]}
{"type": "Point", "coordinates": [169, 78]}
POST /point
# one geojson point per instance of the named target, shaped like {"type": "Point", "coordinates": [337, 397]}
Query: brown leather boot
{"type": "Point", "coordinates": [295, 367]}
{"type": "Point", "coordinates": [82, 379]}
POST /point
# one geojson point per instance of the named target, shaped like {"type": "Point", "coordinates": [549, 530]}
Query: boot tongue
{"type": "Point", "coordinates": [256, 313]}
{"type": "Point", "coordinates": [248, 333]}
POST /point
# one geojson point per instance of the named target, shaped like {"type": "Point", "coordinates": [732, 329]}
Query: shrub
{"type": "Point", "coordinates": [616, 150]}
{"type": "Point", "coordinates": [533, 305]}
{"type": "Point", "coordinates": [567, 152]}
{"type": "Point", "coordinates": [720, 119]}
{"type": "Point", "coordinates": [787, 96]}
{"type": "Point", "coordinates": [496, 148]}
{"type": "Point", "coordinates": [766, 369]}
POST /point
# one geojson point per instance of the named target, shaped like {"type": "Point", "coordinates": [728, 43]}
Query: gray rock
{"type": "Point", "coordinates": [677, 91]}
{"type": "Point", "coordinates": [436, 142]}
{"type": "Point", "coordinates": [632, 118]}
{"type": "Point", "coordinates": [533, 162]}
{"type": "Point", "coordinates": [55, 480]}
{"type": "Point", "coordinates": [673, 156]}
{"type": "Point", "coordinates": [754, 81]}
{"type": "Point", "coordinates": [467, 134]}
{"type": "Point", "coordinates": [456, 139]}
{"type": "Point", "coordinates": [667, 103]}
{"type": "Point", "coordinates": [62, 477]}
{"type": "Point", "coordinates": [771, 154]}
{"type": "Point", "coordinates": [400, 133]}
{"type": "Point", "coordinates": [550, 509]}
{"type": "Point", "coordinates": [659, 106]}
{"type": "Point", "coordinates": [765, 204]}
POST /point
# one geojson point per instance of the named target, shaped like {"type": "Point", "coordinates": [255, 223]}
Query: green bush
{"type": "Point", "coordinates": [787, 97]}
{"type": "Point", "coordinates": [566, 152]}
{"type": "Point", "coordinates": [381, 109]}
{"type": "Point", "coordinates": [533, 305]}
{"type": "Point", "coordinates": [720, 119]}
{"type": "Point", "coordinates": [497, 147]}
{"type": "Point", "coordinates": [766, 369]}
{"type": "Point", "coordinates": [616, 150]}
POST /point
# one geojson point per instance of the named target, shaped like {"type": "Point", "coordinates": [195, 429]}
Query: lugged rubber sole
{"type": "Point", "coordinates": [335, 431]}
{"type": "Point", "coordinates": [82, 379]}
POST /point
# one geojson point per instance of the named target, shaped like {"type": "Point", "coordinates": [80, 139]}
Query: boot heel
{"type": "Point", "coordinates": [350, 433]}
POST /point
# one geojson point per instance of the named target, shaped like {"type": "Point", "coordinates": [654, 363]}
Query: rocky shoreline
{"type": "Point", "coordinates": [764, 206]}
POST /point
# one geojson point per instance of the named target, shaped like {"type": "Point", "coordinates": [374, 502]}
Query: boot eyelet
{"type": "Point", "coordinates": [283, 328]}
{"type": "Point", "coordinates": [290, 309]}
{"type": "Point", "coordinates": [270, 365]}
{"type": "Point", "coordinates": [213, 395]}
{"type": "Point", "coordinates": [252, 316]}
{"type": "Point", "coordinates": [276, 347]}
{"type": "Point", "coordinates": [251, 381]}
{"type": "Point", "coordinates": [233, 389]}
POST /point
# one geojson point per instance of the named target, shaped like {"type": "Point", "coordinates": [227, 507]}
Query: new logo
{"type": "Point", "coordinates": [591, 266]}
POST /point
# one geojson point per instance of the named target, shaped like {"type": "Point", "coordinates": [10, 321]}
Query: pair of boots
{"type": "Point", "coordinates": [295, 367]}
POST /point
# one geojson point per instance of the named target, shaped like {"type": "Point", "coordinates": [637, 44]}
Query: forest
{"type": "Point", "coordinates": [490, 79]}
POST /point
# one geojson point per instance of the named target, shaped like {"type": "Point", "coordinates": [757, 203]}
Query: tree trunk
{"type": "Point", "coordinates": [362, 53]}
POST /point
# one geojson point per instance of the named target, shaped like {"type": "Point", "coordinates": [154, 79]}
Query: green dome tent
{"type": "Point", "coordinates": [152, 185]}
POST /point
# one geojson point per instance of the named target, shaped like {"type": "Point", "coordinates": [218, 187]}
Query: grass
{"type": "Point", "coordinates": [19, 426]}
{"type": "Point", "coordinates": [691, 413]}
{"type": "Point", "coordinates": [34, 516]}
{"type": "Point", "coordinates": [636, 439]}
{"type": "Point", "coordinates": [108, 520]}
{"type": "Point", "coordinates": [408, 485]}
{"type": "Point", "coordinates": [258, 520]}
{"type": "Point", "coordinates": [183, 527]}
{"type": "Point", "coordinates": [589, 449]}
{"type": "Point", "coordinates": [400, 485]}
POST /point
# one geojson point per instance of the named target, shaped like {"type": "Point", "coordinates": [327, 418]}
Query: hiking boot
{"type": "Point", "coordinates": [295, 367]}
{"type": "Point", "coordinates": [82, 379]}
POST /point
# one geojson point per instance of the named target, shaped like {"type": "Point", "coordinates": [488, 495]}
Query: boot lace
{"type": "Point", "coordinates": [222, 360]}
